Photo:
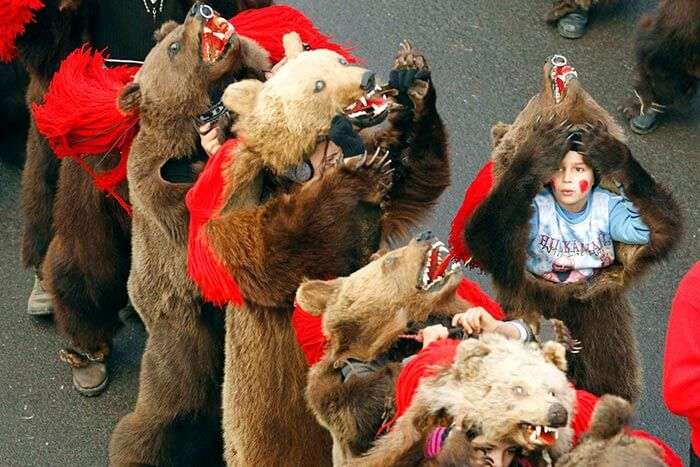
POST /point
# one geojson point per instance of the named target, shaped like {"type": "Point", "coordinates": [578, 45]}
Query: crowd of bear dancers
{"type": "Point", "coordinates": [250, 189]}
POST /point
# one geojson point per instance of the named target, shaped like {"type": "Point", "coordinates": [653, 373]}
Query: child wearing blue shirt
{"type": "Point", "coordinates": [575, 222]}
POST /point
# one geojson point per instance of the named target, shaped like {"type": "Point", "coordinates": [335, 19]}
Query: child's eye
{"type": "Point", "coordinates": [579, 169]}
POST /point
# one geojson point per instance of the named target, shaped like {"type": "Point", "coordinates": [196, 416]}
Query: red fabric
{"type": "Point", "coordinates": [425, 363]}
{"type": "Point", "coordinates": [471, 292]}
{"type": "Point", "coordinates": [15, 14]}
{"type": "Point", "coordinates": [681, 375]}
{"type": "Point", "coordinates": [475, 194]}
{"type": "Point", "coordinates": [204, 201]}
{"type": "Point", "coordinates": [309, 332]}
{"type": "Point", "coordinates": [80, 117]}
{"type": "Point", "coordinates": [267, 26]}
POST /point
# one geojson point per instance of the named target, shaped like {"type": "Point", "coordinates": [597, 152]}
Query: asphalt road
{"type": "Point", "coordinates": [486, 58]}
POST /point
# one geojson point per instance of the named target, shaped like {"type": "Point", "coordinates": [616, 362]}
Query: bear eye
{"type": "Point", "coordinates": [319, 86]}
{"type": "Point", "coordinates": [519, 391]}
{"type": "Point", "coordinates": [389, 263]}
{"type": "Point", "coordinates": [342, 61]}
{"type": "Point", "coordinates": [173, 48]}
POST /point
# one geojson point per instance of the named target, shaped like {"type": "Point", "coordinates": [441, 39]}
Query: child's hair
{"type": "Point", "coordinates": [575, 136]}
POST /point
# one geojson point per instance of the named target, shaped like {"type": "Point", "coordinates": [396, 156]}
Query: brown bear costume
{"type": "Point", "coordinates": [596, 311]}
{"type": "Point", "coordinates": [177, 418]}
{"type": "Point", "coordinates": [325, 228]}
{"type": "Point", "coordinates": [77, 238]}
{"type": "Point", "coordinates": [668, 57]}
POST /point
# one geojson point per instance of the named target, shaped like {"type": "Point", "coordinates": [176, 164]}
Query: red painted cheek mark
{"type": "Point", "coordinates": [583, 185]}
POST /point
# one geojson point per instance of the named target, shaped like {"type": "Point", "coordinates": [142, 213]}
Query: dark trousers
{"type": "Point", "coordinates": [694, 460]}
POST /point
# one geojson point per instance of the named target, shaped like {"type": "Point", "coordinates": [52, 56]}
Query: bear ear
{"type": "Point", "coordinates": [293, 45]}
{"type": "Point", "coordinates": [611, 415]}
{"type": "Point", "coordinates": [313, 296]}
{"type": "Point", "coordinates": [498, 131]}
{"type": "Point", "coordinates": [240, 97]}
{"type": "Point", "coordinates": [555, 353]}
{"type": "Point", "coordinates": [165, 29]}
{"type": "Point", "coordinates": [129, 100]}
{"type": "Point", "coordinates": [469, 358]}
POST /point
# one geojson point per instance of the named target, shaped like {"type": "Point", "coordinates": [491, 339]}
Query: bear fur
{"type": "Point", "coordinates": [607, 443]}
{"type": "Point", "coordinates": [364, 316]}
{"type": "Point", "coordinates": [668, 57]}
{"type": "Point", "coordinates": [269, 245]}
{"type": "Point", "coordinates": [74, 236]}
{"type": "Point", "coordinates": [177, 417]}
{"type": "Point", "coordinates": [477, 393]}
{"type": "Point", "coordinates": [326, 228]}
{"type": "Point", "coordinates": [597, 311]}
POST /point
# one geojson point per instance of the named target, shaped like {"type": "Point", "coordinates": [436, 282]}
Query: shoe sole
{"type": "Point", "coordinates": [644, 131]}
{"type": "Point", "coordinates": [91, 392]}
{"type": "Point", "coordinates": [569, 35]}
{"type": "Point", "coordinates": [44, 312]}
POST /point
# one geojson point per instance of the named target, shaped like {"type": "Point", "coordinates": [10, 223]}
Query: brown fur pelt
{"type": "Point", "coordinates": [668, 57]}
{"type": "Point", "coordinates": [417, 141]}
{"type": "Point", "coordinates": [562, 8]}
{"type": "Point", "coordinates": [606, 443]}
{"type": "Point", "coordinates": [363, 316]}
{"type": "Point", "coordinates": [596, 311]}
{"type": "Point", "coordinates": [177, 416]}
{"type": "Point", "coordinates": [73, 235]}
{"type": "Point", "coordinates": [475, 395]}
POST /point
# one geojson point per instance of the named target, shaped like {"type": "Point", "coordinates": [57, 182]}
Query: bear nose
{"type": "Point", "coordinates": [557, 415]}
{"type": "Point", "coordinates": [424, 236]}
{"type": "Point", "coordinates": [368, 82]}
{"type": "Point", "coordinates": [201, 11]}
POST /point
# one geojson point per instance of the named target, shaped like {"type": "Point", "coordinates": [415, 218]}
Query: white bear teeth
{"type": "Point", "coordinates": [425, 282]}
{"type": "Point", "coordinates": [538, 430]}
{"type": "Point", "coordinates": [366, 108]}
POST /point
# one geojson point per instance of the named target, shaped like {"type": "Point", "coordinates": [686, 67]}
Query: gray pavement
{"type": "Point", "coordinates": [486, 58]}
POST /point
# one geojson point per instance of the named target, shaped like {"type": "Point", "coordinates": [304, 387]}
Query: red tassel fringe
{"type": "Point", "coordinates": [204, 201]}
{"type": "Point", "coordinates": [80, 117]}
{"type": "Point", "coordinates": [309, 332]}
{"type": "Point", "coordinates": [15, 14]}
{"type": "Point", "coordinates": [268, 25]}
{"type": "Point", "coordinates": [475, 195]}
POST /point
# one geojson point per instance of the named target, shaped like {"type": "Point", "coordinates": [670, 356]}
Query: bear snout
{"type": "Point", "coordinates": [557, 416]}
{"type": "Point", "coordinates": [368, 82]}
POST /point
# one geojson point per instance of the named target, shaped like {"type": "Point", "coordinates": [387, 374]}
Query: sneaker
{"type": "Point", "coordinates": [40, 301]}
{"type": "Point", "coordinates": [573, 25]}
{"type": "Point", "coordinates": [90, 377]}
{"type": "Point", "coordinates": [644, 123]}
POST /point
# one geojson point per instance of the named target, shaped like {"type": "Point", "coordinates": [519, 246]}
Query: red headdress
{"type": "Point", "coordinates": [15, 14]}
{"type": "Point", "coordinates": [475, 194]}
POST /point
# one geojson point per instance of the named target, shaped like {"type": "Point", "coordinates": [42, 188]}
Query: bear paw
{"type": "Point", "coordinates": [373, 174]}
{"type": "Point", "coordinates": [547, 144]}
{"type": "Point", "coordinates": [631, 107]}
{"type": "Point", "coordinates": [410, 77]}
{"type": "Point", "coordinates": [606, 153]}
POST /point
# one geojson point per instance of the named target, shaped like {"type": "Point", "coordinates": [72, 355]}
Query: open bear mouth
{"type": "Point", "coordinates": [560, 75]}
{"type": "Point", "coordinates": [540, 435]}
{"type": "Point", "coordinates": [370, 109]}
{"type": "Point", "coordinates": [216, 38]}
{"type": "Point", "coordinates": [438, 266]}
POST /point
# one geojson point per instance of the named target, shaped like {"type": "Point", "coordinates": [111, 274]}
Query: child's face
{"type": "Point", "coordinates": [572, 182]}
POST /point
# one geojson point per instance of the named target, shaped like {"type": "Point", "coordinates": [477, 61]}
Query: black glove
{"type": "Point", "coordinates": [344, 136]}
{"type": "Point", "coordinates": [402, 80]}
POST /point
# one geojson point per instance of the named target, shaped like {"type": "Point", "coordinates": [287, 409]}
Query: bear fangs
{"type": "Point", "coordinates": [435, 271]}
